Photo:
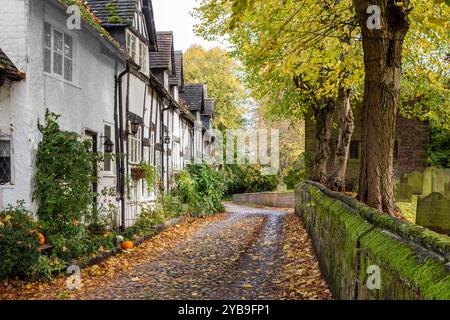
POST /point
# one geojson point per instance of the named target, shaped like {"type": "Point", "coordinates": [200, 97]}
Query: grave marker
{"type": "Point", "coordinates": [433, 212]}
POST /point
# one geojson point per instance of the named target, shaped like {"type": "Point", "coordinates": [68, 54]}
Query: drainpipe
{"type": "Point", "coordinates": [164, 146]}
{"type": "Point", "coordinates": [120, 165]}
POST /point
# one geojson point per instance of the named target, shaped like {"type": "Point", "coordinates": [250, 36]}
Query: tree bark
{"type": "Point", "coordinates": [383, 63]}
{"type": "Point", "coordinates": [324, 121]}
{"type": "Point", "coordinates": [347, 126]}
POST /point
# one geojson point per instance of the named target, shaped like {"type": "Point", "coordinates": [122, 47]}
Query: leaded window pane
{"type": "Point", "coordinates": [5, 162]}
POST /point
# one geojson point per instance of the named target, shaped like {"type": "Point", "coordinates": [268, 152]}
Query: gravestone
{"type": "Point", "coordinates": [282, 187]}
{"type": "Point", "coordinates": [403, 193]}
{"type": "Point", "coordinates": [427, 181]}
{"type": "Point", "coordinates": [434, 180]}
{"type": "Point", "coordinates": [414, 179]}
{"type": "Point", "coordinates": [433, 212]}
{"type": "Point", "coordinates": [447, 190]}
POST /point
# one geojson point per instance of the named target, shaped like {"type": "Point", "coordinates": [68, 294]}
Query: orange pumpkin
{"type": "Point", "coordinates": [127, 245]}
{"type": "Point", "coordinates": [41, 239]}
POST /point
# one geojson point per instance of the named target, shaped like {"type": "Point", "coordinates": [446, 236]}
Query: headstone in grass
{"type": "Point", "coordinates": [403, 193]}
{"type": "Point", "coordinates": [433, 212]}
{"type": "Point", "coordinates": [434, 180]}
{"type": "Point", "coordinates": [414, 179]}
{"type": "Point", "coordinates": [447, 190]}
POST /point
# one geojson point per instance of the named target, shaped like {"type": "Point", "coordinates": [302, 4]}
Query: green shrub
{"type": "Point", "coordinates": [209, 189]}
{"type": "Point", "coordinates": [18, 242]}
{"type": "Point", "coordinates": [149, 218]}
{"type": "Point", "coordinates": [248, 179]}
{"type": "Point", "coordinates": [70, 248]}
{"type": "Point", "coordinates": [171, 206]}
{"type": "Point", "coordinates": [185, 187]}
{"type": "Point", "coordinates": [64, 177]}
{"type": "Point", "coordinates": [293, 177]}
{"type": "Point", "coordinates": [45, 267]}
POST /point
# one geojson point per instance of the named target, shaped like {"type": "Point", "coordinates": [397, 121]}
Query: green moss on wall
{"type": "Point", "coordinates": [349, 236]}
{"type": "Point", "coordinates": [91, 19]}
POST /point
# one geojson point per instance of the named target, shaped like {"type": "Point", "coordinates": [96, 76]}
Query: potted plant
{"type": "Point", "coordinates": [138, 173]}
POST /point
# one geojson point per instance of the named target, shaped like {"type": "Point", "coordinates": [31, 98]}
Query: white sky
{"type": "Point", "coordinates": [175, 15]}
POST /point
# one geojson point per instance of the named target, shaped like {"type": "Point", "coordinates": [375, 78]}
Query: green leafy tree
{"type": "Point", "coordinates": [299, 60]}
{"type": "Point", "coordinates": [300, 54]}
{"type": "Point", "coordinates": [216, 68]}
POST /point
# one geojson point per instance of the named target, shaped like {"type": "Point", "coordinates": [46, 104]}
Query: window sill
{"type": "Point", "coordinates": [7, 186]}
{"type": "Point", "coordinates": [108, 174]}
{"type": "Point", "coordinates": [52, 76]}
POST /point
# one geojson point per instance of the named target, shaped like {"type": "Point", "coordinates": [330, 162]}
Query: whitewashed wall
{"type": "Point", "coordinates": [86, 103]}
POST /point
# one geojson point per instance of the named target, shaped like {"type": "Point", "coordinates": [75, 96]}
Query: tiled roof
{"type": "Point", "coordinates": [125, 10]}
{"type": "Point", "coordinates": [177, 78]}
{"type": "Point", "coordinates": [209, 107]}
{"type": "Point", "coordinates": [164, 58]}
{"type": "Point", "coordinates": [193, 94]}
{"type": "Point", "coordinates": [150, 20]}
{"type": "Point", "coordinates": [7, 67]}
{"type": "Point", "coordinates": [123, 14]}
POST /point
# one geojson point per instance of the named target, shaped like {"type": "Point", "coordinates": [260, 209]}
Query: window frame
{"type": "Point", "coordinates": [151, 156]}
{"type": "Point", "coordinates": [71, 58]}
{"type": "Point", "coordinates": [358, 148]}
{"type": "Point", "coordinates": [11, 161]}
{"type": "Point", "coordinates": [137, 50]}
{"type": "Point", "coordinates": [135, 147]}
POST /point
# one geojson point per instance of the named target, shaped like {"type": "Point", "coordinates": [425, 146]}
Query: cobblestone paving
{"type": "Point", "coordinates": [234, 258]}
{"type": "Point", "coordinates": [245, 253]}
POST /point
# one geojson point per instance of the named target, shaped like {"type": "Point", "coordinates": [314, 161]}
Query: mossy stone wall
{"type": "Point", "coordinates": [348, 237]}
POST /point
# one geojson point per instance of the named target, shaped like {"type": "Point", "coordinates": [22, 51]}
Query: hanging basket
{"type": "Point", "coordinates": [137, 174]}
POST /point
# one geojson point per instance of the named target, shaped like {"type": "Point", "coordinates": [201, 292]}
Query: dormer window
{"type": "Point", "coordinates": [137, 50]}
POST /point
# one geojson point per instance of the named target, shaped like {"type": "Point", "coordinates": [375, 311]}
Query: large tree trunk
{"type": "Point", "coordinates": [347, 126]}
{"type": "Point", "coordinates": [383, 68]}
{"type": "Point", "coordinates": [324, 121]}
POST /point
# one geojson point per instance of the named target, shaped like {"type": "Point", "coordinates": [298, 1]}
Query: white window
{"type": "Point", "coordinates": [152, 148]}
{"type": "Point", "coordinates": [141, 54]}
{"type": "Point", "coordinates": [145, 64]}
{"type": "Point", "coordinates": [129, 35]}
{"type": "Point", "coordinates": [135, 146]}
{"type": "Point", "coordinates": [138, 51]}
{"type": "Point", "coordinates": [58, 53]}
{"type": "Point", "coordinates": [107, 164]}
{"type": "Point", "coordinates": [176, 156]}
{"type": "Point", "coordinates": [5, 162]}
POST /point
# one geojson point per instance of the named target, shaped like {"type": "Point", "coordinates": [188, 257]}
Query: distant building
{"type": "Point", "coordinates": [410, 151]}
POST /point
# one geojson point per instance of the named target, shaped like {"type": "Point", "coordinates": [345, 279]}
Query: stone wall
{"type": "Point", "coordinates": [350, 238]}
{"type": "Point", "coordinates": [270, 199]}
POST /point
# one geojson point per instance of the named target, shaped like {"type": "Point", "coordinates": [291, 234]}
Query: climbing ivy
{"type": "Point", "coordinates": [63, 183]}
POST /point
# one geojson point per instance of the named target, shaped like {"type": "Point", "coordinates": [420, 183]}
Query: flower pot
{"type": "Point", "coordinates": [137, 174]}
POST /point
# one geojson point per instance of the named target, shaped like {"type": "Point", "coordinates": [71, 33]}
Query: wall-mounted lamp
{"type": "Point", "coordinates": [134, 126]}
{"type": "Point", "coordinates": [109, 146]}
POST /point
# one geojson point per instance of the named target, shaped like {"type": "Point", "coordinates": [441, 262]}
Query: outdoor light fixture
{"type": "Point", "coordinates": [134, 126]}
{"type": "Point", "coordinates": [167, 140]}
{"type": "Point", "coordinates": [109, 145]}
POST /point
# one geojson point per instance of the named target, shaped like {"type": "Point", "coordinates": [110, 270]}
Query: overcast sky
{"type": "Point", "coordinates": [174, 15]}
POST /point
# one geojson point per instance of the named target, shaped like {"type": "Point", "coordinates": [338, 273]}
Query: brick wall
{"type": "Point", "coordinates": [270, 199]}
{"type": "Point", "coordinates": [412, 138]}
